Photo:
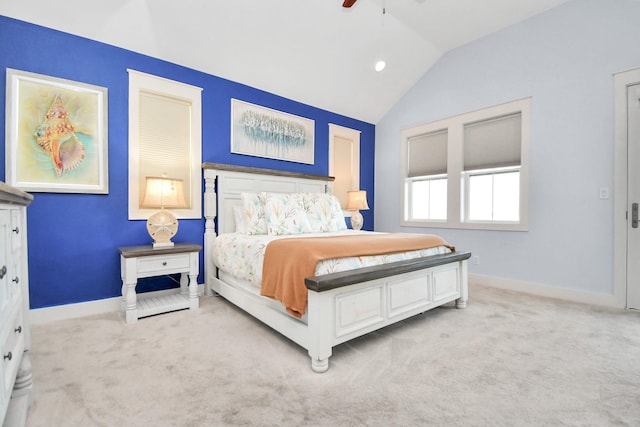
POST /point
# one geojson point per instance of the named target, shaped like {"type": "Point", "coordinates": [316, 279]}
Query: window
{"type": "Point", "coordinates": [165, 140]}
{"type": "Point", "coordinates": [468, 171]}
{"type": "Point", "coordinates": [491, 177]}
{"type": "Point", "coordinates": [426, 181]}
{"type": "Point", "coordinates": [428, 198]}
{"type": "Point", "coordinates": [493, 195]}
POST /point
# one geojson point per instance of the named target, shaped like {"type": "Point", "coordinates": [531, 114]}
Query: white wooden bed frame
{"type": "Point", "coordinates": [341, 306]}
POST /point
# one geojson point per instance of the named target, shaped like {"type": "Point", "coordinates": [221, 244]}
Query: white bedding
{"type": "Point", "coordinates": [242, 255]}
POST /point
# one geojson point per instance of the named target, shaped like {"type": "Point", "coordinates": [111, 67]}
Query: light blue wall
{"type": "Point", "coordinates": [564, 59]}
{"type": "Point", "coordinates": [73, 238]}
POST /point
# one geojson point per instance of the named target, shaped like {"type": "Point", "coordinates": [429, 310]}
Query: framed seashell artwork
{"type": "Point", "coordinates": [56, 134]}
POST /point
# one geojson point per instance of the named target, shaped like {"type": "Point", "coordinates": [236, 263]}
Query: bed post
{"type": "Point", "coordinates": [210, 213]}
{"type": "Point", "coordinates": [464, 288]}
{"type": "Point", "coordinates": [319, 320]}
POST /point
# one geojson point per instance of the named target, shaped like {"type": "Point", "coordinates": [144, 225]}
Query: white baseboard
{"type": "Point", "coordinates": [573, 295]}
{"type": "Point", "coordinates": [109, 305]}
{"type": "Point", "coordinates": [89, 308]}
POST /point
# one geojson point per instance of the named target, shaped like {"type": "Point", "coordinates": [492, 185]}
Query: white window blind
{"type": "Point", "coordinates": [493, 143]}
{"type": "Point", "coordinates": [427, 154]}
{"type": "Point", "coordinates": [342, 167]}
{"type": "Point", "coordinates": [164, 138]}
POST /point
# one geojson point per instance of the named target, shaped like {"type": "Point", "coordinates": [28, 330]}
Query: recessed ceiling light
{"type": "Point", "coordinates": [380, 65]}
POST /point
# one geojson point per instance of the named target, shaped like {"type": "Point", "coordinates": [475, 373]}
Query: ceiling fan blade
{"type": "Point", "coordinates": [348, 3]}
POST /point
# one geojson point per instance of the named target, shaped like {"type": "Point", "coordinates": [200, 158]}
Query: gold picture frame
{"type": "Point", "coordinates": [56, 134]}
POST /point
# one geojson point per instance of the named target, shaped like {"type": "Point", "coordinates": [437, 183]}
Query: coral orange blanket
{"type": "Point", "coordinates": [287, 262]}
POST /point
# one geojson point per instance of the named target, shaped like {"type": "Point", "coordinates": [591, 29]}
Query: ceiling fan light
{"type": "Point", "coordinates": [380, 65]}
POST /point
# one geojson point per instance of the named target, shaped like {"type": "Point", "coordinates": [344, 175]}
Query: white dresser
{"type": "Point", "coordinates": [15, 338]}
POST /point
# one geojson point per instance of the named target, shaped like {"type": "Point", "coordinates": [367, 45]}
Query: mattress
{"type": "Point", "coordinates": [241, 255]}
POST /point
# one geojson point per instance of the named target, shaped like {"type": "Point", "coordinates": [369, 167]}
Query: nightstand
{"type": "Point", "coordinates": [143, 261]}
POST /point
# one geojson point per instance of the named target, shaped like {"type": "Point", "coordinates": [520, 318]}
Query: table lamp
{"type": "Point", "coordinates": [163, 192]}
{"type": "Point", "coordinates": [357, 201]}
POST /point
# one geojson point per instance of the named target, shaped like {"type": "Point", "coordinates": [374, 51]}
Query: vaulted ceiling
{"type": "Point", "coordinates": [312, 51]}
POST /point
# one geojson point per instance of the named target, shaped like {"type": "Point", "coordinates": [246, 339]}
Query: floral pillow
{"type": "Point", "coordinates": [285, 214]}
{"type": "Point", "coordinates": [324, 212]}
{"type": "Point", "coordinates": [253, 207]}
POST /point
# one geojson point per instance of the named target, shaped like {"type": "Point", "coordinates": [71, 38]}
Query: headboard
{"type": "Point", "coordinates": [225, 183]}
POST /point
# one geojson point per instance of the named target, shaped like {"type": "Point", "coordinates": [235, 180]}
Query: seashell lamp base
{"type": "Point", "coordinates": [162, 226]}
{"type": "Point", "coordinates": [356, 220]}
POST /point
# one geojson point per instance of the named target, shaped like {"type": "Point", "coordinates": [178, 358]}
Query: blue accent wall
{"type": "Point", "coordinates": [73, 238]}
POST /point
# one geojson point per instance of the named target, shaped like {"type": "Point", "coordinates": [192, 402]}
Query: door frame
{"type": "Point", "coordinates": [622, 81]}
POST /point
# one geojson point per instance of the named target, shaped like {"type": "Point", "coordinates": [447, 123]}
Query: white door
{"type": "Point", "coordinates": [633, 185]}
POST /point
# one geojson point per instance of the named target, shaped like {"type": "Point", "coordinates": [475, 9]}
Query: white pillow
{"type": "Point", "coordinates": [285, 214]}
{"type": "Point", "coordinates": [240, 219]}
{"type": "Point", "coordinates": [253, 207]}
{"type": "Point", "coordinates": [324, 212]}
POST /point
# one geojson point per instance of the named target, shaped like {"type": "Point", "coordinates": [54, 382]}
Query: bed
{"type": "Point", "coordinates": [339, 305]}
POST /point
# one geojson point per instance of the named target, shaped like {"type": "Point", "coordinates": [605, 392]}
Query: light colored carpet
{"type": "Point", "coordinates": [509, 359]}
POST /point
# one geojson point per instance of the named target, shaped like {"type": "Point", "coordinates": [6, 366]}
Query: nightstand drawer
{"type": "Point", "coordinates": [163, 264]}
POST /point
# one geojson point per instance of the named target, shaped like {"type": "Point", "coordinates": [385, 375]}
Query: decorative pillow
{"type": "Point", "coordinates": [240, 219]}
{"type": "Point", "coordinates": [253, 207]}
{"type": "Point", "coordinates": [285, 214]}
{"type": "Point", "coordinates": [324, 212]}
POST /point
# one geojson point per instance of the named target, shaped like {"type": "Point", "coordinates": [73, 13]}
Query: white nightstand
{"type": "Point", "coordinates": [143, 261]}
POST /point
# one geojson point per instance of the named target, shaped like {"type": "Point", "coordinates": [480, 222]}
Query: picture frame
{"type": "Point", "coordinates": [263, 132]}
{"type": "Point", "coordinates": [56, 134]}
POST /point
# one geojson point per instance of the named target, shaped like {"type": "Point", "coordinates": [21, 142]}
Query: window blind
{"type": "Point", "coordinates": [493, 143]}
{"type": "Point", "coordinates": [163, 143]}
{"type": "Point", "coordinates": [342, 164]}
{"type": "Point", "coordinates": [427, 154]}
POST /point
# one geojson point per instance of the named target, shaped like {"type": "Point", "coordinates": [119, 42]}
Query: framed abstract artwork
{"type": "Point", "coordinates": [263, 132]}
{"type": "Point", "coordinates": [56, 134]}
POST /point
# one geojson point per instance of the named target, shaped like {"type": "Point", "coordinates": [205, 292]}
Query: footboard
{"type": "Point", "coordinates": [346, 305]}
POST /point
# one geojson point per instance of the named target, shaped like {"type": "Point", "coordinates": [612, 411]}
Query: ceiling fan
{"type": "Point", "coordinates": [348, 3]}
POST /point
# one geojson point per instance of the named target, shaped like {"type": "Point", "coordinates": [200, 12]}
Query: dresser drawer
{"type": "Point", "coordinates": [153, 265]}
{"type": "Point", "coordinates": [16, 230]}
{"type": "Point", "coordinates": [14, 283]}
{"type": "Point", "coordinates": [12, 349]}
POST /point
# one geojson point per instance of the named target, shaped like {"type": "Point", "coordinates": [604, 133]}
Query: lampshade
{"type": "Point", "coordinates": [357, 200]}
{"type": "Point", "coordinates": [161, 192]}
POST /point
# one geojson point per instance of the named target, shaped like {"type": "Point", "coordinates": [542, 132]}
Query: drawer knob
{"type": "Point", "coordinates": [16, 280]}
{"type": "Point", "coordinates": [8, 356]}
{"type": "Point", "coordinates": [3, 271]}
{"type": "Point", "coordinates": [18, 329]}
{"type": "Point", "coordinates": [16, 230]}
{"type": "Point", "coordinates": [164, 263]}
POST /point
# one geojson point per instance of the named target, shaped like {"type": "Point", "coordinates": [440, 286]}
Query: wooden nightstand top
{"type": "Point", "coordinates": [148, 250]}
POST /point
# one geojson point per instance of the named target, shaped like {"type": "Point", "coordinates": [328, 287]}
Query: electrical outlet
{"type": "Point", "coordinates": [604, 193]}
{"type": "Point", "coordinates": [475, 260]}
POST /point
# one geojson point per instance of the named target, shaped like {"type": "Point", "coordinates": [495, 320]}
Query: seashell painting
{"type": "Point", "coordinates": [56, 134]}
{"type": "Point", "coordinates": [57, 138]}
